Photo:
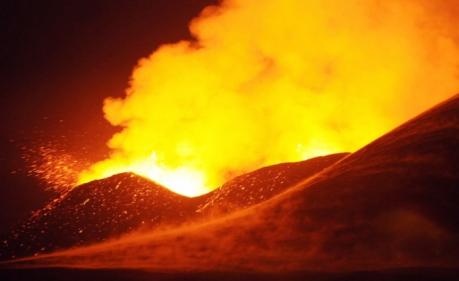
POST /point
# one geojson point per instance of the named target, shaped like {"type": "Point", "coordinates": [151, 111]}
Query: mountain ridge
{"type": "Point", "coordinates": [392, 204]}
{"type": "Point", "coordinates": [107, 208]}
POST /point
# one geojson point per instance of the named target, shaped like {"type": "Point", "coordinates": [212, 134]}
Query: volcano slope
{"type": "Point", "coordinates": [96, 211]}
{"type": "Point", "coordinates": [260, 185]}
{"type": "Point", "coordinates": [392, 204]}
{"type": "Point", "coordinates": [107, 208]}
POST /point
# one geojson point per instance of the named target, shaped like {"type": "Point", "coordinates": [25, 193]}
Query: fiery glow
{"type": "Point", "coordinates": [277, 81]}
{"type": "Point", "coordinates": [181, 180]}
{"type": "Point", "coordinates": [59, 170]}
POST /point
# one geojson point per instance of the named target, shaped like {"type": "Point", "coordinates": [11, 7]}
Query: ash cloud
{"type": "Point", "coordinates": [280, 81]}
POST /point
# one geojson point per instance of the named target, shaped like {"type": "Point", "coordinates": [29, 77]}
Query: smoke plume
{"type": "Point", "coordinates": [274, 81]}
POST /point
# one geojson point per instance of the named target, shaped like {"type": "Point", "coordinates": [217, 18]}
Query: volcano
{"type": "Point", "coordinates": [105, 209]}
{"type": "Point", "coordinates": [96, 211]}
{"type": "Point", "coordinates": [392, 204]}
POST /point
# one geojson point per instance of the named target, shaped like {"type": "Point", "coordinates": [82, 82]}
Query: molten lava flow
{"type": "Point", "coordinates": [276, 81]}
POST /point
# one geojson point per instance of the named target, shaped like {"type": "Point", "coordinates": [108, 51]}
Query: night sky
{"type": "Point", "coordinates": [59, 60]}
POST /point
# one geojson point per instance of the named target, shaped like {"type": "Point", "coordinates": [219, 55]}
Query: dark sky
{"type": "Point", "coordinates": [59, 60]}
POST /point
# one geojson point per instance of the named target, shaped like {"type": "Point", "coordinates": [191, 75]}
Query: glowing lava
{"type": "Point", "coordinates": [181, 180]}
{"type": "Point", "coordinates": [274, 82]}
{"type": "Point", "coordinates": [58, 169]}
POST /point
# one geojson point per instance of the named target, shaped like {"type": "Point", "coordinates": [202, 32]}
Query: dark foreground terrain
{"type": "Point", "coordinates": [58, 274]}
{"type": "Point", "coordinates": [105, 209]}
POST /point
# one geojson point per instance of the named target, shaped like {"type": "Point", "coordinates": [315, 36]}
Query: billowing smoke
{"type": "Point", "coordinates": [274, 81]}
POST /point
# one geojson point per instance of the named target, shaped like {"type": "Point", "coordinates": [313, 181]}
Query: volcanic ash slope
{"type": "Point", "coordinates": [105, 209]}
{"type": "Point", "coordinates": [394, 203]}
{"type": "Point", "coordinates": [96, 211]}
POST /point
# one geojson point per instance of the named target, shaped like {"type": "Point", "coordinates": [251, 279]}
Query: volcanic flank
{"type": "Point", "coordinates": [105, 209]}
{"type": "Point", "coordinates": [260, 185]}
{"type": "Point", "coordinates": [394, 203]}
{"type": "Point", "coordinates": [96, 211]}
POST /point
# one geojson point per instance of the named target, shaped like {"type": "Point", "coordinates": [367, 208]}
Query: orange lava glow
{"type": "Point", "coordinates": [59, 170]}
{"type": "Point", "coordinates": [277, 81]}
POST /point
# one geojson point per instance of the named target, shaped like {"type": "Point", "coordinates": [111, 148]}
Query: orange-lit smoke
{"type": "Point", "coordinates": [273, 81]}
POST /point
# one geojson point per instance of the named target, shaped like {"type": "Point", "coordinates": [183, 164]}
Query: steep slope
{"type": "Point", "coordinates": [260, 185]}
{"type": "Point", "coordinates": [96, 211]}
{"type": "Point", "coordinates": [107, 208]}
{"type": "Point", "coordinates": [394, 203]}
